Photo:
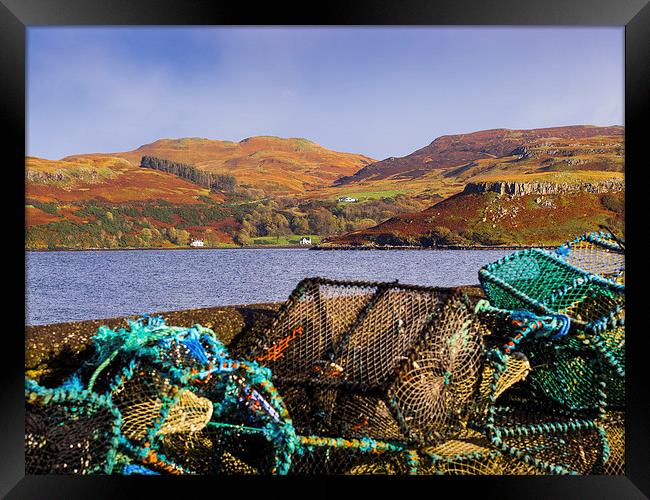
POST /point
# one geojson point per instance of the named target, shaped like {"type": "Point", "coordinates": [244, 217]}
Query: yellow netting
{"type": "Point", "coordinates": [474, 454]}
{"type": "Point", "coordinates": [614, 425]}
{"type": "Point", "coordinates": [598, 254]}
{"type": "Point", "coordinates": [436, 388]}
{"type": "Point", "coordinates": [517, 369]}
{"type": "Point", "coordinates": [189, 413]}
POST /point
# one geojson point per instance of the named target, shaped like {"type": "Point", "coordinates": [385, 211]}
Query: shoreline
{"type": "Point", "coordinates": [198, 313]}
{"type": "Point", "coordinates": [252, 247]}
{"type": "Point", "coordinates": [297, 247]}
{"type": "Point", "coordinates": [450, 247]}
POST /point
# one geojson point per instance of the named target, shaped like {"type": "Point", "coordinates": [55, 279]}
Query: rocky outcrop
{"type": "Point", "coordinates": [523, 188]}
{"type": "Point", "coordinates": [522, 152]}
{"type": "Point", "coordinates": [70, 175]}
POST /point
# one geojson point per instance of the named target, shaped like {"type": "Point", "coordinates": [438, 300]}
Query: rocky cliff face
{"type": "Point", "coordinates": [523, 188]}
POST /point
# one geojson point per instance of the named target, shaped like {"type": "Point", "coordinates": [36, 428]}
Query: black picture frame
{"type": "Point", "coordinates": [17, 15]}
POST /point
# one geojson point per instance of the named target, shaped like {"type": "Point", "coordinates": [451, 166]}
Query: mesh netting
{"type": "Point", "coordinates": [567, 367]}
{"type": "Point", "coordinates": [597, 253]}
{"type": "Point", "coordinates": [472, 454]}
{"type": "Point", "coordinates": [352, 334]}
{"type": "Point", "coordinates": [322, 455]}
{"type": "Point", "coordinates": [342, 413]}
{"type": "Point", "coordinates": [614, 425]}
{"type": "Point", "coordinates": [178, 405]}
{"type": "Point", "coordinates": [540, 281]}
{"type": "Point", "coordinates": [569, 323]}
{"type": "Point", "coordinates": [570, 320]}
{"type": "Point", "coordinates": [377, 360]}
{"type": "Point", "coordinates": [437, 386]}
{"type": "Point", "coordinates": [69, 432]}
{"type": "Point", "coordinates": [569, 445]}
{"type": "Point", "coordinates": [166, 400]}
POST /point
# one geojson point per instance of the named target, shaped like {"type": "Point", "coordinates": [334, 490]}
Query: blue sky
{"type": "Point", "coordinates": [377, 91]}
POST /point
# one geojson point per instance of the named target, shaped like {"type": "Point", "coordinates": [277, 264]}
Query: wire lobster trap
{"type": "Point", "coordinates": [533, 435]}
{"type": "Point", "coordinates": [568, 321]}
{"type": "Point", "coordinates": [377, 360]}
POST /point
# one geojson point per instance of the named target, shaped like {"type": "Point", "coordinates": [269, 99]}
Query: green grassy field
{"type": "Point", "coordinates": [373, 195]}
{"type": "Point", "coordinates": [284, 240]}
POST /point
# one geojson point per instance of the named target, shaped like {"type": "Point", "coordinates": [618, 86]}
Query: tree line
{"type": "Point", "coordinates": [148, 224]}
{"type": "Point", "coordinates": [216, 182]}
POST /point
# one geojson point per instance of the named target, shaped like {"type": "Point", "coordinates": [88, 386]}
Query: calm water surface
{"type": "Point", "coordinates": [70, 286]}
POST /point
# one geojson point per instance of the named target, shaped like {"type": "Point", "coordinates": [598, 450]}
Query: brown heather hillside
{"type": "Point", "coordinates": [105, 179]}
{"type": "Point", "coordinates": [106, 202]}
{"type": "Point", "coordinates": [459, 157]}
{"type": "Point", "coordinates": [490, 218]}
{"type": "Point", "coordinates": [273, 164]}
{"type": "Point", "coordinates": [35, 216]}
{"type": "Point", "coordinates": [565, 181]}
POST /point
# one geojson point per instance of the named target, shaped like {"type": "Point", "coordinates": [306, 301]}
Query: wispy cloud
{"type": "Point", "coordinates": [382, 92]}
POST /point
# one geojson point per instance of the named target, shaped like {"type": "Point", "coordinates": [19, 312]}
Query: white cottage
{"type": "Point", "coordinates": [305, 240]}
{"type": "Point", "coordinates": [197, 243]}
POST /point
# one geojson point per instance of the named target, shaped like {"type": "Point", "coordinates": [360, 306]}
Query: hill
{"type": "Point", "coordinates": [106, 202]}
{"type": "Point", "coordinates": [498, 151]}
{"type": "Point", "coordinates": [272, 164]}
{"type": "Point", "coordinates": [95, 201]}
{"type": "Point", "coordinates": [268, 190]}
{"type": "Point", "coordinates": [505, 213]}
{"type": "Point", "coordinates": [106, 179]}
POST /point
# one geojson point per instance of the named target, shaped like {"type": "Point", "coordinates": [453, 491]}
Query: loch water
{"type": "Point", "coordinates": [78, 285]}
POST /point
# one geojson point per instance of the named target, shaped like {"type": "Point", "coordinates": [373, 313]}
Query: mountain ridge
{"type": "Point", "coordinates": [270, 163]}
{"type": "Point", "coordinates": [499, 186]}
{"type": "Point", "coordinates": [459, 150]}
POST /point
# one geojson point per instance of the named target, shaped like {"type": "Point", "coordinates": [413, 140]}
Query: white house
{"type": "Point", "coordinates": [305, 240]}
{"type": "Point", "coordinates": [197, 243]}
{"type": "Point", "coordinates": [347, 199]}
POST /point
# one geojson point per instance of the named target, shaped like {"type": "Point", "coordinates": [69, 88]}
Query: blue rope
{"type": "Point", "coordinates": [565, 322]}
{"type": "Point", "coordinates": [138, 469]}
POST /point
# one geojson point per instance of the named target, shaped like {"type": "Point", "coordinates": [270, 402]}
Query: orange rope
{"type": "Point", "coordinates": [277, 350]}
